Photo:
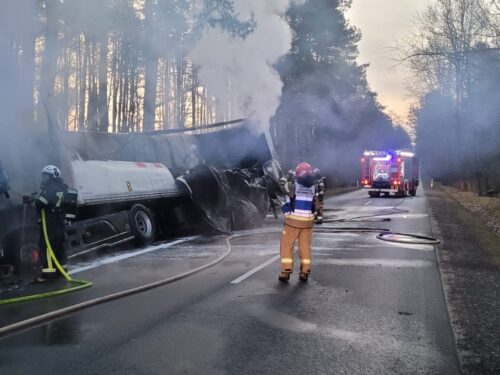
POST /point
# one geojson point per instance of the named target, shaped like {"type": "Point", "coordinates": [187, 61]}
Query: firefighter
{"type": "Point", "coordinates": [299, 186]}
{"type": "Point", "coordinates": [51, 200]}
{"type": "Point", "coordinates": [319, 196]}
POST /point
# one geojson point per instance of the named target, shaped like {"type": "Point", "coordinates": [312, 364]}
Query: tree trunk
{"type": "Point", "coordinates": [124, 98]}
{"type": "Point", "coordinates": [193, 96]}
{"type": "Point", "coordinates": [102, 106]}
{"type": "Point", "coordinates": [49, 59]}
{"type": "Point", "coordinates": [92, 123]}
{"type": "Point", "coordinates": [65, 92]}
{"type": "Point", "coordinates": [132, 100]}
{"type": "Point", "coordinates": [83, 85]}
{"type": "Point", "coordinates": [150, 70]}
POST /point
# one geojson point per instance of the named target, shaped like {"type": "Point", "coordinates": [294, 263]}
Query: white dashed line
{"type": "Point", "coordinates": [117, 258]}
{"type": "Point", "coordinates": [255, 270]}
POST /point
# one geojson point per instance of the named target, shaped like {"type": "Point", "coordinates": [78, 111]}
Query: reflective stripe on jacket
{"type": "Point", "coordinates": [301, 207]}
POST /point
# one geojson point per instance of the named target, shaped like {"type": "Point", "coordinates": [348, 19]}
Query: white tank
{"type": "Point", "coordinates": [119, 181]}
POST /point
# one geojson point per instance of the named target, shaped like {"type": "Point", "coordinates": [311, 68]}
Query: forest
{"type": "Point", "coordinates": [145, 65]}
{"type": "Point", "coordinates": [455, 57]}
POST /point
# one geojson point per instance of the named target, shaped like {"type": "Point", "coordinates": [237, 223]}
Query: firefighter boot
{"type": "Point", "coordinates": [303, 276]}
{"type": "Point", "coordinates": [284, 276]}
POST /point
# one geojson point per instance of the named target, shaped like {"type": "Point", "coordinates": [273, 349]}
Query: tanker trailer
{"type": "Point", "coordinates": [118, 201]}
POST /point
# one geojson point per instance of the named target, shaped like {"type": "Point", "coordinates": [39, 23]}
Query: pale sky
{"type": "Point", "coordinates": [382, 22]}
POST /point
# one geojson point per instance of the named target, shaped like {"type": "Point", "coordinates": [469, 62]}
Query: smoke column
{"type": "Point", "coordinates": [232, 67]}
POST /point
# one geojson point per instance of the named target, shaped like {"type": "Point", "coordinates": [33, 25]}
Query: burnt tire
{"type": "Point", "coordinates": [24, 252]}
{"type": "Point", "coordinates": [142, 224]}
{"type": "Point", "coordinates": [413, 192]}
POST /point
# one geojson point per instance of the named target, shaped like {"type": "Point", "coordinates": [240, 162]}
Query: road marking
{"type": "Point", "coordinates": [255, 270]}
{"type": "Point", "coordinates": [368, 262]}
{"type": "Point", "coordinates": [117, 258]}
{"type": "Point", "coordinates": [368, 203]}
{"type": "Point", "coordinates": [402, 216]}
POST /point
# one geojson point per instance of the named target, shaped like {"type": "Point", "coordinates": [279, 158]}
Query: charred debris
{"type": "Point", "coordinates": [219, 178]}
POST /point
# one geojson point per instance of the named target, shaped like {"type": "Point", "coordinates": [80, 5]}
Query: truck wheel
{"type": "Point", "coordinates": [413, 192]}
{"type": "Point", "coordinates": [142, 224]}
{"type": "Point", "coordinates": [25, 251]}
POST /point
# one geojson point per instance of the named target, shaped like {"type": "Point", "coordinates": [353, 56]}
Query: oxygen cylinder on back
{"type": "Point", "coordinates": [70, 203]}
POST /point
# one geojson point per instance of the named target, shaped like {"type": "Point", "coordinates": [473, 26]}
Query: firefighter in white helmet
{"type": "Point", "coordinates": [300, 188]}
{"type": "Point", "coordinates": [51, 199]}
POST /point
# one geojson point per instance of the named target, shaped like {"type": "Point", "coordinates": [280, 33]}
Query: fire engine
{"type": "Point", "coordinates": [391, 171]}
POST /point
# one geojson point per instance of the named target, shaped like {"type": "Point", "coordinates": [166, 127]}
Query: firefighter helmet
{"type": "Point", "coordinates": [304, 174]}
{"type": "Point", "coordinates": [303, 169]}
{"type": "Point", "coordinates": [51, 170]}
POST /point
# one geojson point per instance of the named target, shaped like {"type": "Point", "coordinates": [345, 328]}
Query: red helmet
{"type": "Point", "coordinates": [303, 169]}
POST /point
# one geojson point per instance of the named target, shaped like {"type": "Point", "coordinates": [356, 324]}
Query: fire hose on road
{"type": "Point", "coordinates": [37, 320]}
{"type": "Point", "coordinates": [382, 234]}
{"type": "Point", "coordinates": [78, 284]}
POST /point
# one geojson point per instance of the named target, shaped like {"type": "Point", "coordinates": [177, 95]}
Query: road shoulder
{"type": "Point", "coordinates": [471, 282]}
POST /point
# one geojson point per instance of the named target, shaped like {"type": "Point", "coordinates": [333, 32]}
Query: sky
{"type": "Point", "coordinates": [382, 23]}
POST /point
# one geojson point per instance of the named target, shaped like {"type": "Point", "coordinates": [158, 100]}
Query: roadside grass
{"type": "Point", "coordinates": [469, 262]}
{"type": "Point", "coordinates": [486, 210]}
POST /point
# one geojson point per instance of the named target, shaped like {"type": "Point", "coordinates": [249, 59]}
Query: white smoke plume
{"type": "Point", "coordinates": [231, 67]}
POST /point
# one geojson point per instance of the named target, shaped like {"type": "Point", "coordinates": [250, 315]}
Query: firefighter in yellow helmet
{"type": "Point", "coordinates": [299, 187]}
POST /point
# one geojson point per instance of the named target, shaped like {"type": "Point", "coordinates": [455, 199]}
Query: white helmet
{"type": "Point", "coordinates": [51, 170]}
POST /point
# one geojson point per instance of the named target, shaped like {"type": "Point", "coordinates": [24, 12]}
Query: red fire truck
{"type": "Point", "coordinates": [390, 172]}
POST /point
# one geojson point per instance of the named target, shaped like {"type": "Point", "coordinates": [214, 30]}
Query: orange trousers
{"type": "Point", "coordinates": [288, 237]}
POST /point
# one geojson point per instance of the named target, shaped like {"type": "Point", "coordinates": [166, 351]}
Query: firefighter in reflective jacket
{"type": "Point", "coordinates": [300, 188]}
{"type": "Point", "coordinates": [319, 196]}
{"type": "Point", "coordinates": [51, 200]}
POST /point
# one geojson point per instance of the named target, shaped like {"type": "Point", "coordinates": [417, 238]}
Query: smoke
{"type": "Point", "coordinates": [243, 68]}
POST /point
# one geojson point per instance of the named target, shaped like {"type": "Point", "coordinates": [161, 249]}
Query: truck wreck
{"type": "Point", "coordinates": [139, 186]}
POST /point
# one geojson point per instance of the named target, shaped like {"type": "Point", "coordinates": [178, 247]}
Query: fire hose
{"type": "Point", "coordinates": [28, 323]}
{"type": "Point", "coordinates": [37, 320]}
{"type": "Point", "coordinates": [77, 284]}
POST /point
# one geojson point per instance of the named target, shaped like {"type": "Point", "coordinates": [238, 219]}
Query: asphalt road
{"type": "Point", "coordinates": [370, 307]}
